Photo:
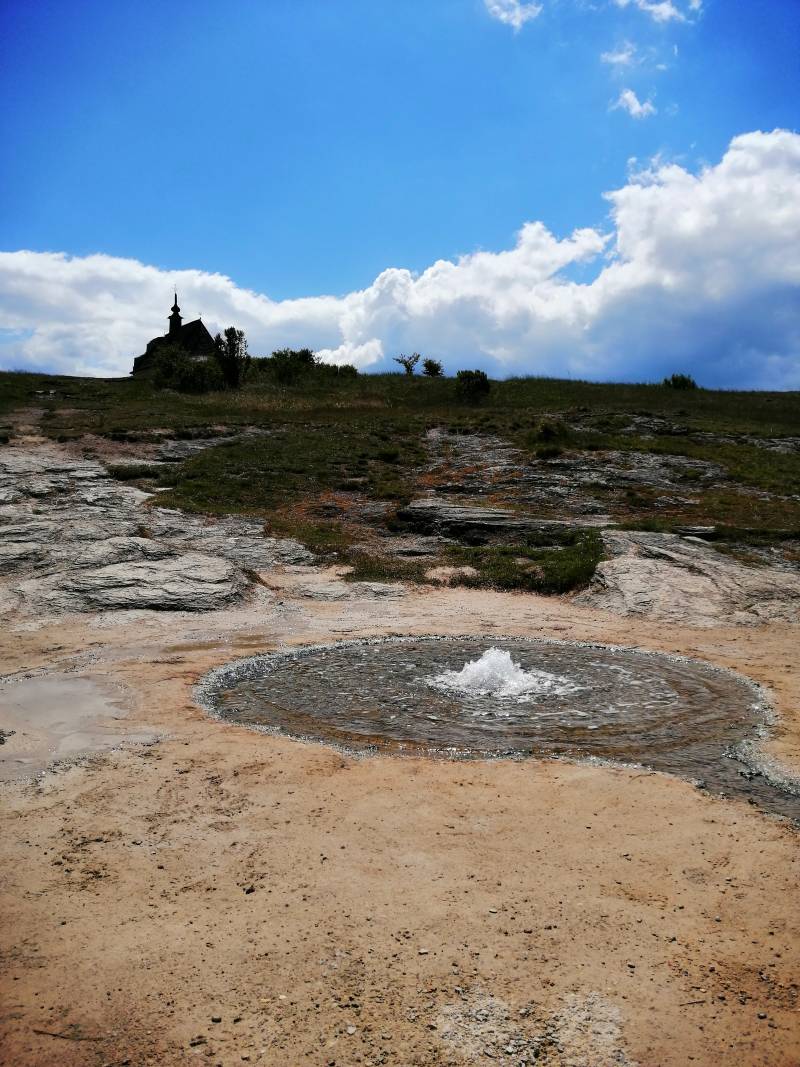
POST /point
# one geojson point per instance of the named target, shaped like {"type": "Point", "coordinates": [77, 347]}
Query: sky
{"type": "Point", "coordinates": [606, 190]}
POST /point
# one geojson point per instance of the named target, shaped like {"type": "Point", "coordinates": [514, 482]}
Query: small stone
{"type": "Point", "coordinates": [216, 1018]}
{"type": "Point", "coordinates": [351, 1030]}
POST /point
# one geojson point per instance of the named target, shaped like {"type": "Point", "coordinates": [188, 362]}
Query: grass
{"type": "Point", "coordinates": [260, 474]}
{"type": "Point", "coordinates": [328, 436]}
{"type": "Point", "coordinates": [535, 568]}
{"type": "Point", "coordinates": [557, 563]}
{"type": "Point", "coordinates": [83, 405]}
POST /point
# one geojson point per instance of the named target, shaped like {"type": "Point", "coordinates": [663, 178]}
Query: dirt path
{"type": "Point", "coordinates": [328, 910]}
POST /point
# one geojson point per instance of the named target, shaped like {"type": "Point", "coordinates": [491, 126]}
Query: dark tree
{"type": "Point", "coordinates": [408, 363]}
{"type": "Point", "coordinates": [289, 364]}
{"type": "Point", "coordinates": [472, 386]}
{"type": "Point", "coordinates": [230, 352]}
{"type": "Point", "coordinates": [680, 381]}
{"type": "Point", "coordinates": [174, 368]}
{"type": "Point", "coordinates": [432, 368]}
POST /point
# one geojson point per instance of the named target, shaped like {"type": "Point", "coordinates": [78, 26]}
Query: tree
{"type": "Point", "coordinates": [408, 363]}
{"type": "Point", "coordinates": [680, 381]}
{"type": "Point", "coordinates": [289, 364]}
{"type": "Point", "coordinates": [472, 386]}
{"type": "Point", "coordinates": [230, 352]}
{"type": "Point", "coordinates": [432, 368]}
{"type": "Point", "coordinates": [175, 369]}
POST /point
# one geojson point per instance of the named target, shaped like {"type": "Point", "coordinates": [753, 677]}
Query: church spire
{"type": "Point", "coordinates": [175, 319]}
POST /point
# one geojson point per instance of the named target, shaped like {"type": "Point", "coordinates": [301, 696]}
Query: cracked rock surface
{"type": "Point", "coordinates": [678, 579]}
{"type": "Point", "coordinates": [73, 539]}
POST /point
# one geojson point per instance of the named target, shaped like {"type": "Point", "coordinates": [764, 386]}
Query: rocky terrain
{"type": "Point", "coordinates": [73, 539]}
{"type": "Point", "coordinates": [179, 891]}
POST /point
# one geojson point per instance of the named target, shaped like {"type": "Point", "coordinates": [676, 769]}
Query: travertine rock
{"type": "Point", "coordinates": [684, 580]}
{"type": "Point", "coordinates": [73, 539]}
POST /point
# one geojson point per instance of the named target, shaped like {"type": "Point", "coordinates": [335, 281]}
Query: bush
{"type": "Point", "coordinates": [432, 368]}
{"type": "Point", "coordinates": [549, 452]}
{"type": "Point", "coordinates": [346, 370]}
{"type": "Point", "coordinates": [680, 381]}
{"type": "Point", "coordinates": [472, 386]}
{"type": "Point", "coordinates": [289, 364]}
{"type": "Point", "coordinates": [127, 472]}
{"type": "Point", "coordinates": [549, 430]}
{"type": "Point", "coordinates": [174, 369]}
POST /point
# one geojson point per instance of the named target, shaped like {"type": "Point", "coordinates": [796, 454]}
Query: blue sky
{"type": "Point", "coordinates": [303, 147]}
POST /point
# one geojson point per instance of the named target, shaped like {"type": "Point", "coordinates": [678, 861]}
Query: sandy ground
{"type": "Point", "coordinates": [225, 897]}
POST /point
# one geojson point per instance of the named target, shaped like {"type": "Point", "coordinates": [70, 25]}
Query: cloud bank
{"type": "Point", "coordinates": [696, 272]}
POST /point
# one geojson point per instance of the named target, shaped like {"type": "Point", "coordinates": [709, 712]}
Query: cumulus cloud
{"type": "Point", "coordinates": [664, 10]}
{"type": "Point", "coordinates": [513, 12]}
{"type": "Point", "coordinates": [622, 56]}
{"type": "Point", "coordinates": [696, 272]}
{"type": "Point", "coordinates": [630, 102]}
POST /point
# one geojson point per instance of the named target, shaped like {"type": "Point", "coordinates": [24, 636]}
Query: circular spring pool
{"type": "Point", "coordinates": [494, 697]}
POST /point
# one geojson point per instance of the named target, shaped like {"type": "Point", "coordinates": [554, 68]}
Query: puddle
{"type": "Point", "coordinates": [510, 698]}
{"type": "Point", "coordinates": [54, 717]}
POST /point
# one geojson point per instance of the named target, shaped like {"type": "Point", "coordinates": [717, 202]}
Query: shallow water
{"type": "Point", "coordinates": [472, 697]}
{"type": "Point", "coordinates": [53, 717]}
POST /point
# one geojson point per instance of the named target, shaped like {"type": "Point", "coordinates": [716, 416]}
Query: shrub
{"type": "Point", "coordinates": [289, 364]}
{"type": "Point", "coordinates": [432, 368]}
{"type": "Point", "coordinates": [550, 430]}
{"type": "Point", "coordinates": [472, 386]}
{"type": "Point", "coordinates": [175, 369]}
{"type": "Point", "coordinates": [346, 370]}
{"type": "Point", "coordinates": [408, 363]}
{"type": "Point", "coordinates": [680, 381]}
{"type": "Point", "coordinates": [127, 472]}
{"type": "Point", "coordinates": [549, 451]}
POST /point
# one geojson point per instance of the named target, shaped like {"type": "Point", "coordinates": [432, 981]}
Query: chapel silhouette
{"type": "Point", "coordinates": [192, 337]}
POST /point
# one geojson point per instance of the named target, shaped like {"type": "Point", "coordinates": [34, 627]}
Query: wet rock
{"type": "Point", "coordinates": [670, 577]}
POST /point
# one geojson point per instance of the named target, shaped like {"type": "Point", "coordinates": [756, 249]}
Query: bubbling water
{"type": "Point", "coordinates": [462, 698]}
{"type": "Point", "coordinates": [496, 674]}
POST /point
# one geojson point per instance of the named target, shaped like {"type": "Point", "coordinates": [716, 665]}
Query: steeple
{"type": "Point", "coordinates": [175, 319]}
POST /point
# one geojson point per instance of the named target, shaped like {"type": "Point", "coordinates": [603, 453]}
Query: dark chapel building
{"type": "Point", "coordinates": [192, 337]}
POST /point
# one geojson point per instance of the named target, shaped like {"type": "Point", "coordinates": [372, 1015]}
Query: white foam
{"type": "Point", "coordinates": [496, 674]}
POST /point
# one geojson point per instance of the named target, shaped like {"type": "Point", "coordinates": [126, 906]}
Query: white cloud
{"type": "Point", "coordinates": [698, 272]}
{"type": "Point", "coordinates": [630, 102]}
{"type": "Point", "coordinates": [660, 10]}
{"type": "Point", "coordinates": [513, 12]}
{"type": "Point", "coordinates": [622, 56]}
